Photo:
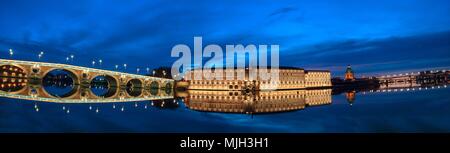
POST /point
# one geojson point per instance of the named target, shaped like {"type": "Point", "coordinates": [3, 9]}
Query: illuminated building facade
{"type": "Point", "coordinates": [317, 78]}
{"type": "Point", "coordinates": [289, 78]}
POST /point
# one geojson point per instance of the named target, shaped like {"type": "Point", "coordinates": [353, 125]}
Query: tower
{"type": "Point", "coordinates": [349, 76]}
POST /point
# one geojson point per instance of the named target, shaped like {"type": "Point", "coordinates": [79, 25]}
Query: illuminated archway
{"type": "Point", "coordinates": [104, 86]}
{"type": "Point", "coordinates": [13, 78]}
{"type": "Point", "coordinates": [60, 83]}
{"type": "Point", "coordinates": [134, 87]}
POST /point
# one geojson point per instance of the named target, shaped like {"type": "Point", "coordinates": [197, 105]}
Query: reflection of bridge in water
{"type": "Point", "coordinates": [414, 79]}
{"type": "Point", "coordinates": [24, 80]}
{"type": "Point", "coordinates": [391, 88]}
{"type": "Point", "coordinates": [88, 97]}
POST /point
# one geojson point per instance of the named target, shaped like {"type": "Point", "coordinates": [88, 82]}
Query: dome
{"type": "Point", "coordinates": [349, 69]}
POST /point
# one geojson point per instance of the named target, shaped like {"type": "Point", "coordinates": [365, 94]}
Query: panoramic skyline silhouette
{"type": "Point", "coordinates": [372, 36]}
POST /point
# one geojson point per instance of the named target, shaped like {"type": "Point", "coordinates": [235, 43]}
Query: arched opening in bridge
{"type": "Point", "coordinates": [134, 87]}
{"type": "Point", "coordinates": [154, 85]}
{"type": "Point", "coordinates": [104, 86]}
{"type": "Point", "coordinates": [168, 88]}
{"type": "Point", "coordinates": [60, 83]}
{"type": "Point", "coordinates": [12, 78]}
{"type": "Point", "coordinates": [154, 91]}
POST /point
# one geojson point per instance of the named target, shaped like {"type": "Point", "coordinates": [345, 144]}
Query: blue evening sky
{"type": "Point", "coordinates": [373, 36]}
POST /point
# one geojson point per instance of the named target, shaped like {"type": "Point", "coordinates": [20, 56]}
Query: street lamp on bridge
{"type": "Point", "coordinates": [100, 61]}
{"type": "Point", "coordinates": [41, 54]}
{"type": "Point", "coordinates": [11, 52]}
{"type": "Point", "coordinates": [71, 57]}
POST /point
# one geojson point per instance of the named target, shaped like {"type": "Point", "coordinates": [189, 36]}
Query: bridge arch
{"type": "Point", "coordinates": [154, 85]}
{"type": "Point", "coordinates": [72, 74]}
{"type": "Point", "coordinates": [168, 85]}
{"type": "Point", "coordinates": [135, 87]}
{"type": "Point", "coordinates": [154, 91]}
{"type": "Point", "coordinates": [74, 84]}
{"type": "Point", "coordinates": [13, 78]}
{"type": "Point", "coordinates": [25, 70]}
{"type": "Point", "coordinates": [112, 85]}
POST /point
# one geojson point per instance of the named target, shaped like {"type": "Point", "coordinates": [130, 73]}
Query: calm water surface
{"type": "Point", "coordinates": [401, 111]}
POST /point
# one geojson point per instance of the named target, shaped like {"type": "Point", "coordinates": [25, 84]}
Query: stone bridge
{"type": "Point", "coordinates": [28, 75]}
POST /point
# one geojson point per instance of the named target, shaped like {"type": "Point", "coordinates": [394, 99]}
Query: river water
{"type": "Point", "coordinates": [402, 110]}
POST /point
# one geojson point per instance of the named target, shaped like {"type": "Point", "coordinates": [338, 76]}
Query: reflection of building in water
{"type": "Point", "coordinates": [289, 78]}
{"type": "Point", "coordinates": [317, 97]}
{"type": "Point", "coordinates": [258, 102]}
{"type": "Point", "coordinates": [350, 96]}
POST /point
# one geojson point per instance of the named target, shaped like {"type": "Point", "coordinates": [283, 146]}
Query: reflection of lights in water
{"type": "Point", "coordinates": [37, 109]}
{"type": "Point", "coordinates": [68, 111]}
{"type": "Point", "coordinates": [64, 108]}
{"type": "Point", "coordinates": [90, 107]}
{"type": "Point", "coordinates": [135, 105]}
{"type": "Point", "coordinates": [152, 103]}
{"type": "Point", "coordinates": [114, 106]}
{"type": "Point", "coordinates": [96, 110]}
{"type": "Point", "coordinates": [145, 107]}
{"type": "Point", "coordinates": [122, 109]}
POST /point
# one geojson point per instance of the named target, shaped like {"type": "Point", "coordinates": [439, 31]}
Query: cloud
{"type": "Point", "coordinates": [393, 53]}
{"type": "Point", "coordinates": [318, 35]}
{"type": "Point", "coordinates": [283, 10]}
